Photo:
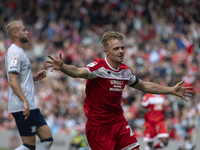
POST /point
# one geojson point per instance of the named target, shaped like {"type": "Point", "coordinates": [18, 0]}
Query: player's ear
{"type": "Point", "coordinates": [106, 51]}
{"type": "Point", "coordinates": [16, 34]}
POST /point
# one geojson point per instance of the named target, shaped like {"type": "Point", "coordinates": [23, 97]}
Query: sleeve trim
{"type": "Point", "coordinates": [136, 81]}
{"type": "Point", "coordinates": [13, 71]}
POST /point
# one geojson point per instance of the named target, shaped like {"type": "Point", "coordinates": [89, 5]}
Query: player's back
{"type": "Point", "coordinates": [156, 104]}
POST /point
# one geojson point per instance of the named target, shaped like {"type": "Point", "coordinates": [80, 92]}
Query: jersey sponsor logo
{"type": "Point", "coordinates": [92, 64]}
{"type": "Point", "coordinates": [115, 89]}
{"type": "Point", "coordinates": [117, 85]}
{"type": "Point", "coordinates": [14, 61]}
{"type": "Point", "coordinates": [13, 67]}
{"type": "Point", "coordinates": [33, 129]}
{"type": "Point", "coordinates": [116, 82]}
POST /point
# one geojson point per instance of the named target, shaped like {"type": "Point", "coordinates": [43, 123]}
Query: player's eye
{"type": "Point", "coordinates": [118, 48]}
{"type": "Point", "coordinates": [24, 29]}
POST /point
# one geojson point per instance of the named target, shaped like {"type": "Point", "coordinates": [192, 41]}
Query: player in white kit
{"type": "Point", "coordinates": [21, 101]}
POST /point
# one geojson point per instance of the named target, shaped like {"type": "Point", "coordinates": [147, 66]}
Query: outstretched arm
{"type": "Point", "coordinates": [70, 70]}
{"type": "Point", "coordinates": [153, 88]}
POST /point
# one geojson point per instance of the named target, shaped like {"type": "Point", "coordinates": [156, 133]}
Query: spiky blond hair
{"type": "Point", "coordinates": [110, 35]}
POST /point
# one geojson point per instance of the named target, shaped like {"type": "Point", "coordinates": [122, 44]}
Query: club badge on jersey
{"type": "Point", "coordinates": [92, 64]}
{"type": "Point", "coordinates": [14, 61]}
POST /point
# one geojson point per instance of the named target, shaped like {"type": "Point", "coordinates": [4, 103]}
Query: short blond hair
{"type": "Point", "coordinates": [12, 26]}
{"type": "Point", "coordinates": [110, 35]}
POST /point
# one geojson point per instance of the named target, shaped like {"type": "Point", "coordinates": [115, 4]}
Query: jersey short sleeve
{"type": "Point", "coordinates": [93, 68]}
{"type": "Point", "coordinates": [133, 80]}
{"type": "Point", "coordinates": [14, 63]}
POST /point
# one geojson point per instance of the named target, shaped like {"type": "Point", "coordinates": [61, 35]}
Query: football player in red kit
{"type": "Point", "coordinates": [106, 128]}
{"type": "Point", "coordinates": [153, 107]}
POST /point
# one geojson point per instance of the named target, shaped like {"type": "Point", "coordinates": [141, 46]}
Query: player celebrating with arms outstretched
{"type": "Point", "coordinates": [106, 128]}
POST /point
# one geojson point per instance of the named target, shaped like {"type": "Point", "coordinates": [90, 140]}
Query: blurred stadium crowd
{"type": "Point", "coordinates": [163, 45]}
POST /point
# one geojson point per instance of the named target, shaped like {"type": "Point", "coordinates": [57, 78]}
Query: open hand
{"type": "Point", "coordinates": [56, 64]}
{"type": "Point", "coordinates": [181, 91]}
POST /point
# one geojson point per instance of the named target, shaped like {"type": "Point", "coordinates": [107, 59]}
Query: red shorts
{"type": "Point", "coordinates": [153, 131]}
{"type": "Point", "coordinates": [117, 136]}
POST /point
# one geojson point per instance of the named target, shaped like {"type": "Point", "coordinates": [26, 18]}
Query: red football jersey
{"type": "Point", "coordinates": [104, 91]}
{"type": "Point", "coordinates": [156, 104]}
